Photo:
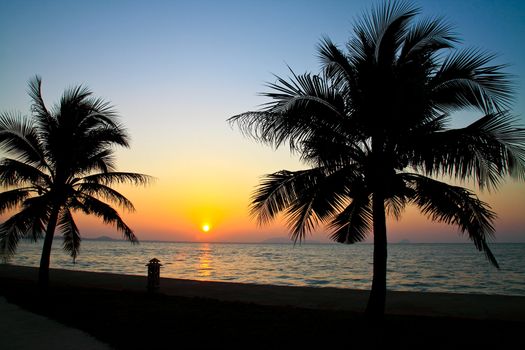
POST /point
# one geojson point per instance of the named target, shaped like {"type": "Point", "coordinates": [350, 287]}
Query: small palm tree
{"type": "Point", "coordinates": [57, 162]}
{"type": "Point", "coordinates": [374, 127]}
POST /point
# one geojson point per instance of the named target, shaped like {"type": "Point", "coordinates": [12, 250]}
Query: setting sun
{"type": "Point", "coordinates": [205, 228]}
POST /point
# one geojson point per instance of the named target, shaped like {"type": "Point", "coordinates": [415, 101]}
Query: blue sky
{"type": "Point", "coordinates": [176, 70]}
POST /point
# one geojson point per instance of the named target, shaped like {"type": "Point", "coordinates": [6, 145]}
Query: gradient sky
{"type": "Point", "coordinates": [176, 70]}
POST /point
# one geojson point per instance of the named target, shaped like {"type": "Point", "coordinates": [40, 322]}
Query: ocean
{"type": "Point", "coordinates": [452, 268]}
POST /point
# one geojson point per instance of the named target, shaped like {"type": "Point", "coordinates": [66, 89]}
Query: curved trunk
{"type": "Point", "coordinates": [43, 271]}
{"type": "Point", "coordinates": [379, 178]}
{"type": "Point", "coordinates": [376, 301]}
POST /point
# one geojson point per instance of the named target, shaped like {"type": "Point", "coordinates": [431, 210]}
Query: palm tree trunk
{"type": "Point", "coordinates": [377, 299]}
{"type": "Point", "coordinates": [43, 271]}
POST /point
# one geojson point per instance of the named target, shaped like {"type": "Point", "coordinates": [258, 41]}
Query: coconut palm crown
{"type": "Point", "coordinates": [57, 162]}
{"type": "Point", "coordinates": [375, 128]}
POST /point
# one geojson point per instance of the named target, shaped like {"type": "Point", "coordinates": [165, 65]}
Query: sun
{"type": "Point", "coordinates": [205, 228]}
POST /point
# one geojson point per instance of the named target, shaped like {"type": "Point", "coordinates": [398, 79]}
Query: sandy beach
{"type": "Point", "coordinates": [117, 310]}
{"type": "Point", "coordinates": [471, 306]}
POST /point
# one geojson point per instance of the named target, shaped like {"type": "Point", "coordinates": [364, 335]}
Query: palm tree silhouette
{"type": "Point", "coordinates": [60, 161]}
{"type": "Point", "coordinates": [374, 127]}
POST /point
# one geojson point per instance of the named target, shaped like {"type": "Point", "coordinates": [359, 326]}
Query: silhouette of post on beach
{"type": "Point", "coordinates": [153, 275]}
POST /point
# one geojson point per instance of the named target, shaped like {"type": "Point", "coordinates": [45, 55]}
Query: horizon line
{"type": "Point", "coordinates": [106, 238]}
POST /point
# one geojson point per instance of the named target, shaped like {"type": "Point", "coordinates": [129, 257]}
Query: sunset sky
{"type": "Point", "coordinates": [176, 70]}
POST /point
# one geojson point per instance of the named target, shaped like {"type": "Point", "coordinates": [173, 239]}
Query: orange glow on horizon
{"type": "Point", "coordinates": [169, 212]}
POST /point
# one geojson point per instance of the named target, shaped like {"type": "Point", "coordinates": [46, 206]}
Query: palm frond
{"type": "Point", "coordinates": [14, 172]}
{"type": "Point", "coordinates": [275, 193]}
{"type": "Point", "coordinates": [506, 134]}
{"type": "Point", "coordinates": [106, 135]}
{"type": "Point", "coordinates": [100, 113]}
{"type": "Point", "coordinates": [118, 178]}
{"type": "Point", "coordinates": [39, 206]}
{"type": "Point", "coordinates": [75, 97]}
{"type": "Point", "coordinates": [425, 38]}
{"type": "Point", "coordinates": [431, 123]}
{"type": "Point", "coordinates": [259, 126]}
{"type": "Point", "coordinates": [394, 20]}
{"type": "Point", "coordinates": [93, 206]}
{"type": "Point", "coordinates": [274, 129]}
{"type": "Point", "coordinates": [395, 205]}
{"type": "Point", "coordinates": [398, 196]}
{"type": "Point", "coordinates": [11, 231]}
{"type": "Point", "coordinates": [361, 48]}
{"type": "Point", "coordinates": [305, 197]}
{"type": "Point", "coordinates": [27, 222]}
{"type": "Point", "coordinates": [336, 64]}
{"type": "Point", "coordinates": [78, 111]}
{"type": "Point", "coordinates": [299, 107]}
{"type": "Point", "coordinates": [487, 150]}
{"type": "Point", "coordinates": [103, 161]}
{"type": "Point", "coordinates": [304, 92]}
{"type": "Point", "coordinates": [38, 106]}
{"type": "Point", "coordinates": [465, 80]}
{"type": "Point", "coordinates": [317, 201]}
{"type": "Point", "coordinates": [457, 206]}
{"type": "Point", "coordinates": [105, 192]}
{"type": "Point", "coordinates": [488, 253]}
{"type": "Point", "coordinates": [69, 230]}
{"type": "Point", "coordinates": [333, 150]}
{"type": "Point", "coordinates": [19, 139]}
{"type": "Point", "coordinates": [354, 223]}
{"type": "Point", "coordinates": [383, 29]}
{"type": "Point", "coordinates": [13, 198]}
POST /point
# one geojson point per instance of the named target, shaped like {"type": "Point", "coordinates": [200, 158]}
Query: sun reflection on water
{"type": "Point", "coordinates": [205, 268]}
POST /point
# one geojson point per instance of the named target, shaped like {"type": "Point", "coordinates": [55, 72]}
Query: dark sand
{"type": "Point", "coordinates": [117, 310]}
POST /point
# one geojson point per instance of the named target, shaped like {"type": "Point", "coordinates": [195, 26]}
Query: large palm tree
{"type": "Point", "coordinates": [374, 127]}
{"type": "Point", "coordinates": [59, 161]}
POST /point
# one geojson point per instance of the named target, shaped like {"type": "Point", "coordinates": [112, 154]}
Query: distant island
{"type": "Point", "coordinates": [404, 241]}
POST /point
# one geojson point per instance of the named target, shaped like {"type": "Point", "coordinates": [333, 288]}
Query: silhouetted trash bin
{"type": "Point", "coordinates": [153, 274]}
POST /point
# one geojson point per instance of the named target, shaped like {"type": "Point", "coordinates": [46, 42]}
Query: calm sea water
{"type": "Point", "coordinates": [455, 268]}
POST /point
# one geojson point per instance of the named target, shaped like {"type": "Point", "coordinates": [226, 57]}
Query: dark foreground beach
{"type": "Point", "coordinates": [117, 310]}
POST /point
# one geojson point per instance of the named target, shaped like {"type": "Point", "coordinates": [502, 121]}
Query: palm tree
{"type": "Point", "coordinates": [60, 161]}
{"type": "Point", "coordinates": [374, 127]}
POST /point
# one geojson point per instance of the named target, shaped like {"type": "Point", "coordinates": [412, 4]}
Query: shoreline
{"type": "Point", "coordinates": [466, 306]}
